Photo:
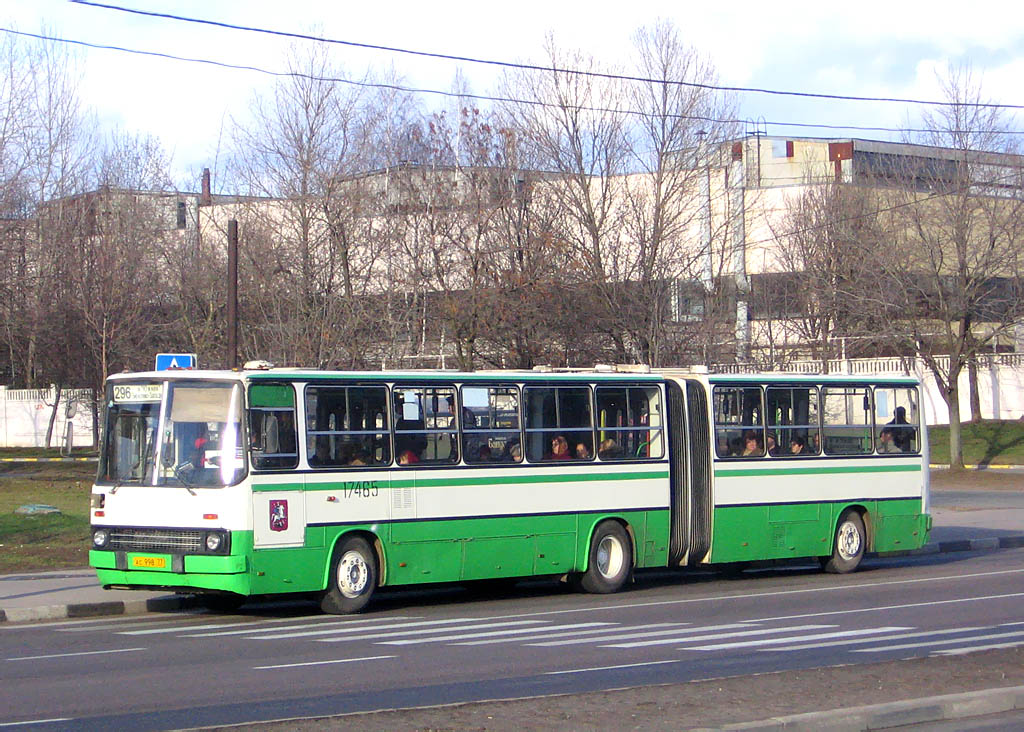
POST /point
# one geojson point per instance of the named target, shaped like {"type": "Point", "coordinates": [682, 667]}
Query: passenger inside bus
{"type": "Point", "coordinates": [751, 445]}
{"type": "Point", "coordinates": [559, 449]}
{"type": "Point", "coordinates": [608, 449]}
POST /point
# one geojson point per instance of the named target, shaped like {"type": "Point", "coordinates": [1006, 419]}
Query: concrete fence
{"type": "Point", "coordinates": [25, 416]}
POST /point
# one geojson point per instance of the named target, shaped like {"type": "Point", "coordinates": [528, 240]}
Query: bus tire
{"type": "Point", "coordinates": [610, 561]}
{"type": "Point", "coordinates": [849, 545]}
{"type": "Point", "coordinates": [353, 577]}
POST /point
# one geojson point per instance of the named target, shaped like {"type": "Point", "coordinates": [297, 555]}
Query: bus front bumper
{"type": "Point", "coordinates": [153, 570]}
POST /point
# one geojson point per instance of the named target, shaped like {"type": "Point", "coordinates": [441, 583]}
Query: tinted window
{"type": "Point", "coordinates": [897, 420]}
{"type": "Point", "coordinates": [739, 421]}
{"type": "Point", "coordinates": [846, 420]}
{"type": "Point", "coordinates": [347, 426]}
{"type": "Point", "coordinates": [629, 423]}
{"type": "Point", "coordinates": [490, 424]}
{"type": "Point", "coordinates": [558, 423]}
{"type": "Point", "coordinates": [426, 429]}
{"type": "Point", "coordinates": [273, 442]}
{"type": "Point", "coordinates": [792, 417]}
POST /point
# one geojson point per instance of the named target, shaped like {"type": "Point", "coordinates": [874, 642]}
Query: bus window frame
{"type": "Point", "coordinates": [741, 427]}
{"type": "Point", "coordinates": [552, 432]}
{"type": "Point", "coordinates": [465, 432]}
{"type": "Point", "coordinates": [783, 450]}
{"type": "Point", "coordinates": [307, 434]}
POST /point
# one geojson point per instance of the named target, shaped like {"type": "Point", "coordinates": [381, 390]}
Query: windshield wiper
{"type": "Point", "coordinates": [180, 473]}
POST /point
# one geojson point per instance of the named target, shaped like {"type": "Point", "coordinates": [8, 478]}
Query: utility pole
{"type": "Point", "coordinates": [232, 355]}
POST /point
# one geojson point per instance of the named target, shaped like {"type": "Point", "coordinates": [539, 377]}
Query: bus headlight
{"type": "Point", "coordinates": [214, 541]}
{"type": "Point", "coordinates": [100, 538]}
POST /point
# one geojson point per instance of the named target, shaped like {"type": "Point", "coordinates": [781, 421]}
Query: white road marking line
{"type": "Point", "coordinates": [80, 653]}
{"type": "Point", "coordinates": [973, 649]}
{"type": "Point", "coordinates": [143, 622]}
{"type": "Point", "coordinates": [36, 721]}
{"type": "Point", "coordinates": [951, 641]}
{"type": "Point", "coordinates": [178, 629]}
{"type": "Point", "coordinates": [609, 668]}
{"type": "Point", "coordinates": [332, 629]}
{"type": "Point", "coordinates": [788, 639]}
{"type": "Point", "coordinates": [542, 634]}
{"type": "Point", "coordinates": [60, 625]}
{"type": "Point", "coordinates": [716, 636]}
{"type": "Point", "coordinates": [646, 634]}
{"type": "Point", "coordinates": [424, 631]}
{"type": "Point", "coordinates": [321, 663]}
{"type": "Point", "coordinates": [756, 595]}
{"type": "Point", "coordinates": [896, 636]}
{"type": "Point", "coordinates": [493, 633]}
{"type": "Point", "coordinates": [886, 607]}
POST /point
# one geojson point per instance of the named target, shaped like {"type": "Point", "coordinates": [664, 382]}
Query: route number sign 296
{"type": "Point", "coordinates": [137, 392]}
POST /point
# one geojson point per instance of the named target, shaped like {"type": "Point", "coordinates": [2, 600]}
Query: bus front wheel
{"type": "Point", "coordinates": [849, 545]}
{"type": "Point", "coordinates": [611, 559]}
{"type": "Point", "coordinates": [353, 577]}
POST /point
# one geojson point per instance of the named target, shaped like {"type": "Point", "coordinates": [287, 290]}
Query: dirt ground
{"type": "Point", "coordinates": [717, 702]}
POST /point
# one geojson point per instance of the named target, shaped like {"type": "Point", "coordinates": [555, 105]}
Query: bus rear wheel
{"type": "Point", "coordinates": [353, 577]}
{"type": "Point", "coordinates": [610, 561]}
{"type": "Point", "coordinates": [849, 545]}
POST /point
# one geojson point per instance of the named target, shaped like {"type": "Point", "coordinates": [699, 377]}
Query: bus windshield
{"type": "Point", "coordinates": [185, 433]}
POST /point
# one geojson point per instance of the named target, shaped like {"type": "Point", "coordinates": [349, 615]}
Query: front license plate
{"type": "Point", "coordinates": [149, 562]}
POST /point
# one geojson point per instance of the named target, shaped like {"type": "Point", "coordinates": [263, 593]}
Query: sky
{"type": "Point", "coordinates": [869, 48]}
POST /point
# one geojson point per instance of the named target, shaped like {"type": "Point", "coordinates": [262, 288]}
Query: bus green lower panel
{"type": "Point", "coordinates": [299, 569]}
{"type": "Point", "coordinates": [141, 580]}
{"type": "Point", "coordinates": [752, 533]}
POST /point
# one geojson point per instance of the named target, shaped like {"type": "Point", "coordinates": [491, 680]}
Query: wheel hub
{"type": "Point", "coordinates": [849, 540]}
{"type": "Point", "coordinates": [353, 574]}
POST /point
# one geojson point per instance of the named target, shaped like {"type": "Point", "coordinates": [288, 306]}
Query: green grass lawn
{"type": "Point", "coordinates": [51, 541]}
{"type": "Point", "coordinates": [992, 442]}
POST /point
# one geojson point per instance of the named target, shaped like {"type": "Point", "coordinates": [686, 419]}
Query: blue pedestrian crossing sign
{"type": "Point", "coordinates": [166, 361]}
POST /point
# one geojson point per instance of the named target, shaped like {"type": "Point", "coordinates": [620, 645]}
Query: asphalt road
{"type": "Point", "coordinates": [447, 645]}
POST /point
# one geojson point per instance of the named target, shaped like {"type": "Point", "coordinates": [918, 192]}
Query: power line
{"type": "Point", "coordinates": [455, 95]}
{"type": "Point", "coordinates": [534, 67]}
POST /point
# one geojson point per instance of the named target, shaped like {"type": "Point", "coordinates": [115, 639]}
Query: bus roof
{"type": "Point", "coordinates": [433, 375]}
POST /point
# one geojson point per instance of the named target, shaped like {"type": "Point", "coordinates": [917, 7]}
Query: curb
{"type": "Point", "coordinates": [896, 714]}
{"type": "Point", "coordinates": [95, 609]}
{"type": "Point", "coordinates": [177, 602]}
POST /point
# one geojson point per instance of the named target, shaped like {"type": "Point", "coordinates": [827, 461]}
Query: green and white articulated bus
{"type": "Point", "coordinates": [232, 484]}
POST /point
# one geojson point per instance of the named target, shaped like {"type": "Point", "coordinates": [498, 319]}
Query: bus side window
{"type": "Point", "coordinates": [273, 438]}
{"type": "Point", "coordinates": [739, 421]}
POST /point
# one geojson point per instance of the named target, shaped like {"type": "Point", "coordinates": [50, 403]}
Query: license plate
{"type": "Point", "coordinates": [149, 562]}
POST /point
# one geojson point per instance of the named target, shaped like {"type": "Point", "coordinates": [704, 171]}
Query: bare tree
{"type": "Point", "coordinates": [45, 142]}
{"type": "Point", "coordinates": [577, 131]}
{"type": "Point", "coordinates": [958, 225]}
{"type": "Point", "coordinates": [319, 246]}
{"type": "Point", "coordinates": [114, 233]}
{"type": "Point", "coordinates": [677, 120]}
{"type": "Point", "coordinates": [820, 251]}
